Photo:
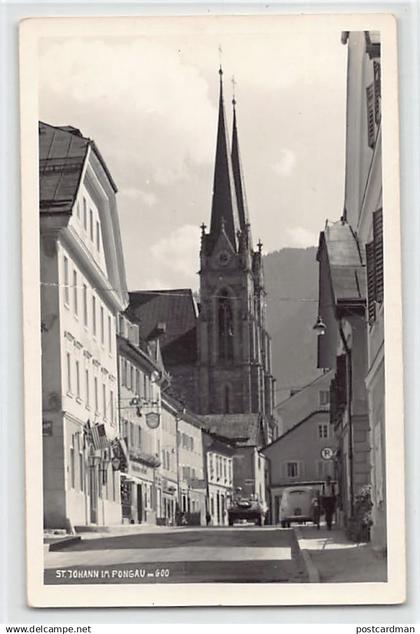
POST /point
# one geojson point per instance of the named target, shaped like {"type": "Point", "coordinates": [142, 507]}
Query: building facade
{"type": "Point", "coordinates": [350, 257]}
{"type": "Point", "coordinates": [192, 472]}
{"type": "Point", "coordinates": [141, 377]}
{"type": "Point", "coordinates": [303, 455]}
{"type": "Point", "coordinates": [220, 485]}
{"type": "Point", "coordinates": [310, 398]}
{"type": "Point", "coordinates": [82, 292]}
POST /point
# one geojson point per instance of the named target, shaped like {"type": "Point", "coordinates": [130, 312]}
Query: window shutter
{"type": "Point", "coordinates": [379, 255]}
{"type": "Point", "coordinates": [377, 89]}
{"type": "Point", "coordinates": [370, 115]}
{"type": "Point", "coordinates": [371, 282]}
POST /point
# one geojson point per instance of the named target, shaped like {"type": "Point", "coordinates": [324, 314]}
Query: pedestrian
{"type": "Point", "coordinates": [316, 510]}
{"type": "Point", "coordinates": [208, 518]}
{"type": "Point", "coordinates": [329, 501]}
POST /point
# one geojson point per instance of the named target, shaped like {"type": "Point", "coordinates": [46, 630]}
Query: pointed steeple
{"type": "Point", "coordinates": [237, 172]}
{"type": "Point", "coordinates": [224, 210]}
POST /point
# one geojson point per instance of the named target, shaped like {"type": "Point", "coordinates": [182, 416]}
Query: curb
{"type": "Point", "coordinates": [312, 571]}
{"type": "Point", "coordinates": [63, 543]}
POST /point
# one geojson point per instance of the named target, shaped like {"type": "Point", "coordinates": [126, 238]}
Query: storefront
{"type": "Point", "coordinates": [139, 494]}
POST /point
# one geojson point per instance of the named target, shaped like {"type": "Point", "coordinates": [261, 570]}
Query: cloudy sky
{"type": "Point", "coordinates": [150, 103]}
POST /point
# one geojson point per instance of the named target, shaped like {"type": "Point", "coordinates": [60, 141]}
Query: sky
{"type": "Point", "coordinates": [150, 103]}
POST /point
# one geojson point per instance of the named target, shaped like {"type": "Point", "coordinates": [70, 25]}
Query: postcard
{"type": "Point", "coordinates": [212, 310]}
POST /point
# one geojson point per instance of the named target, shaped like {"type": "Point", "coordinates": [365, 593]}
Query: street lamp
{"type": "Point", "coordinates": [320, 327]}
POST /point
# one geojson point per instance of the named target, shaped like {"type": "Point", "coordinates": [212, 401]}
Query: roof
{"type": "Point", "coordinates": [238, 175]}
{"type": "Point", "coordinates": [242, 428]}
{"type": "Point", "coordinates": [177, 310]}
{"type": "Point", "coordinates": [224, 209]}
{"type": "Point", "coordinates": [348, 274]}
{"type": "Point", "coordinates": [299, 424]}
{"type": "Point", "coordinates": [325, 376]}
{"type": "Point", "coordinates": [62, 155]}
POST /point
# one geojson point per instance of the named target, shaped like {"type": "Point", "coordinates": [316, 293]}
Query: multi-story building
{"type": "Point", "coordinates": [304, 454]}
{"type": "Point", "coordinates": [168, 508]}
{"type": "Point", "coordinates": [352, 291]}
{"type": "Point", "coordinates": [219, 471]}
{"type": "Point", "coordinates": [191, 470]}
{"type": "Point", "coordinates": [141, 376]}
{"type": "Point", "coordinates": [82, 292]}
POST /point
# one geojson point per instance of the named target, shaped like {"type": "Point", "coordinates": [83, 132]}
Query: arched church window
{"type": "Point", "coordinates": [226, 399]}
{"type": "Point", "coordinates": [225, 327]}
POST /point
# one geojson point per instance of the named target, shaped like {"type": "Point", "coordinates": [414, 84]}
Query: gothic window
{"type": "Point", "coordinates": [370, 99]}
{"type": "Point", "coordinates": [226, 399]}
{"type": "Point", "coordinates": [225, 327]}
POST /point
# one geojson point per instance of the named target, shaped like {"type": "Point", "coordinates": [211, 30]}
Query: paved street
{"type": "Point", "coordinates": [180, 555]}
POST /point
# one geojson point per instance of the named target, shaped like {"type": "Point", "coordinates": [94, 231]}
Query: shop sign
{"type": "Point", "coordinates": [153, 420]}
{"type": "Point", "coordinates": [47, 428]}
{"type": "Point", "coordinates": [138, 468]}
{"type": "Point", "coordinates": [196, 483]}
{"type": "Point", "coordinates": [327, 453]}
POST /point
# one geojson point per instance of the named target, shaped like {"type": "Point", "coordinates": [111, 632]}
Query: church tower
{"type": "Point", "coordinates": [234, 350]}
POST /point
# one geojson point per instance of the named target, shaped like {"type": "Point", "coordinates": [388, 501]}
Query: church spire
{"type": "Point", "coordinates": [224, 210]}
{"type": "Point", "coordinates": [237, 171]}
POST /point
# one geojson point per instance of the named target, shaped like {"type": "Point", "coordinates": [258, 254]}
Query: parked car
{"type": "Point", "coordinates": [247, 508]}
{"type": "Point", "coordinates": [296, 505]}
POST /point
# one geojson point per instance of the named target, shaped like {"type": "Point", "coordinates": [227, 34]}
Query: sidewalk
{"type": "Point", "coordinates": [339, 560]}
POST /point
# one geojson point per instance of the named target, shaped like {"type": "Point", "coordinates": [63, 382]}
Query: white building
{"type": "Point", "coordinates": [219, 464]}
{"type": "Point", "coordinates": [82, 292]}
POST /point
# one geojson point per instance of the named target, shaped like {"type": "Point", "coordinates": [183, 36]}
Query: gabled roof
{"type": "Point", "coordinates": [177, 310]}
{"type": "Point", "coordinates": [62, 155]}
{"type": "Point", "coordinates": [295, 427]}
{"type": "Point", "coordinates": [243, 429]}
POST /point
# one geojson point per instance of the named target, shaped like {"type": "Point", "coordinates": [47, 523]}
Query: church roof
{"type": "Point", "coordinates": [238, 175]}
{"type": "Point", "coordinates": [177, 310]}
{"type": "Point", "coordinates": [224, 210]}
{"type": "Point", "coordinates": [62, 155]}
{"type": "Point", "coordinates": [243, 429]}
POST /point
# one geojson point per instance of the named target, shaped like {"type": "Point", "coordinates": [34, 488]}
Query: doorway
{"type": "Point", "coordinates": [139, 503]}
{"type": "Point", "coordinates": [93, 495]}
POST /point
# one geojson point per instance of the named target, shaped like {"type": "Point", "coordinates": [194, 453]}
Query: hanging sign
{"type": "Point", "coordinates": [152, 420]}
{"type": "Point", "coordinates": [327, 453]}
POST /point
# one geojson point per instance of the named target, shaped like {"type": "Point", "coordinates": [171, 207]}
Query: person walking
{"type": "Point", "coordinates": [329, 501]}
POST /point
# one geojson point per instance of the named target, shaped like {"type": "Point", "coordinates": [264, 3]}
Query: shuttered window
{"type": "Point", "coordinates": [375, 266]}
{"type": "Point", "coordinates": [377, 89]}
{"type": "Point", "coordinates": [379, 254]}
{"type": "Point", "coordinates": [371, 284]}
{"type": "Point", "coordinates": [370, 102]}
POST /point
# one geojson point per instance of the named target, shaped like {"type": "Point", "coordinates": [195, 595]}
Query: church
{"type": "Point", "coordinates": [217, 350]}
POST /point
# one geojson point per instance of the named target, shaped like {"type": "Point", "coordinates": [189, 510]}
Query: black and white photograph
{"type": "Point", "coordinates": [215, 322]}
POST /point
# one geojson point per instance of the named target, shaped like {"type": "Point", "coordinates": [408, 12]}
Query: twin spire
{"type": "Point", "coordinates": [229, 208]}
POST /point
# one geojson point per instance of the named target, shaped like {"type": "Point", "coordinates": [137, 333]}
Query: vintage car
{"type": "Point", "coordinates": [247, 508]}
{"type": "Point", "coordinates": [297, 505]}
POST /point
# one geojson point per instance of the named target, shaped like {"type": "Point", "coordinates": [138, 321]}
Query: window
{"type": "Point", "coordinates": [77, 379]}
{"type": "Point", "coordinates": [81, 472]}
{"type": "Point", "coordinates": [128, 375]}
{"type": "Point", "coordinates": [72, 470]}
{"type": "Point", "coordinates": [375, 266]}
{"type": "Point", "coordinates": [78, 209]}
{"type": "Point", "coordinates": [292, 469]}
{"type": "Point", "coordinates": [85, 307]}
{"type": "Point", "coordinates": [111, 406]}
{"type": "Point", "coordinates": [323, 430]}
{"type": "Point", "coordinates": [225, 322]}
{"type": "Point", "coordinates": [370, 102]}
{"type": "Point", "coordinates": [139, 436]}
{"type": "Point", "coordinates": [91, 224]}
{"type": "Point", "coordinates": [377, 89]}
{"type": "Point", "coordinates": [66, 281]}
{"type": "Point", "coordinates": [75, 294]}
{"type": "Point", "coordinates": [96, 394]}
{"type": "Point", "coordinates": [137, 382]}
{"type": "Point", "coordinates": [98, 236]}
{"type": "Point", "coordinates": [324, 398]}
{"type": "Point", "coordinates": [94, 315]}
{"type": "Point", "coordinates": [87, 387]}
{"type": "Point", "coordinates": [123, 371]}
{"type": "Point", "coordinates": [109, 334]}
{"type": "Point", "coordinates": [84, 214]}
{"type": "Point", "coordinates": [68, 372]}
{"type": "Point", "coordinates": [102, 325]}
{"type": "Point", "coordinates": [104, 399]}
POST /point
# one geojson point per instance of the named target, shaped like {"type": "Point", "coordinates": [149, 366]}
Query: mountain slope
{"type": "Point", "coordinates": [291, 279]}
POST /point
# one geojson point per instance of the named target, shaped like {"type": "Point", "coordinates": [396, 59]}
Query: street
{"type": "Point", "coordinates": [180, 555]}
